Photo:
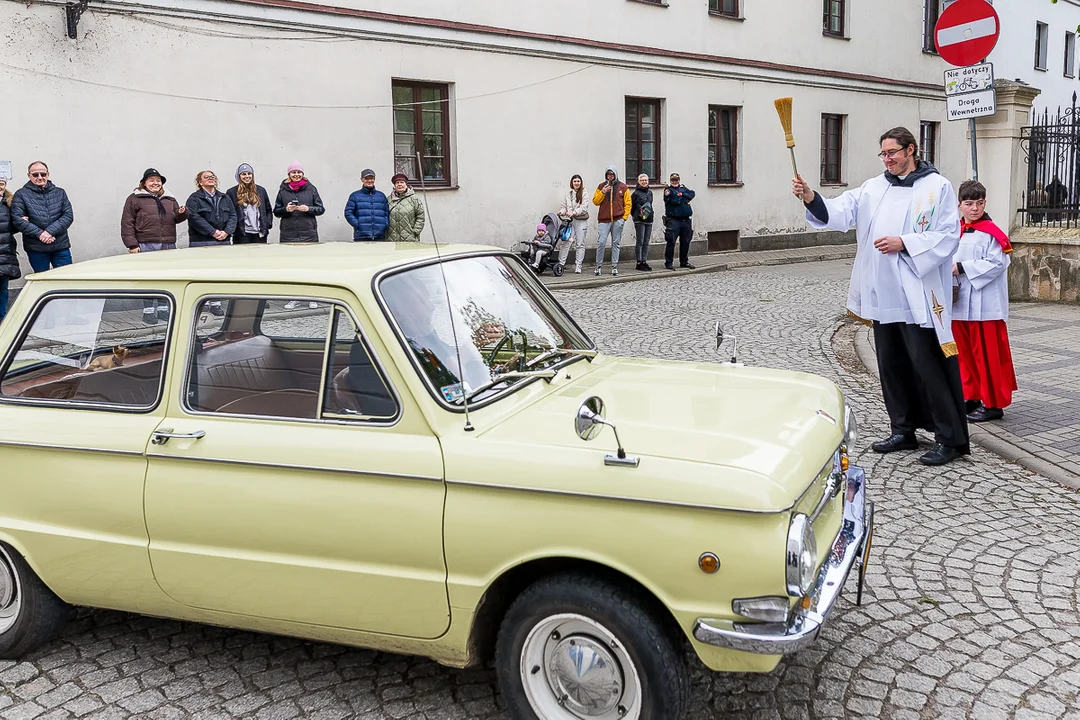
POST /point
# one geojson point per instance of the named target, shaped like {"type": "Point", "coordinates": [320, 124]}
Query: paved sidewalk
{"type": "Point", "coordinates": [1044, 420]}
{"type": "Point", "coordinates": [713, 262]}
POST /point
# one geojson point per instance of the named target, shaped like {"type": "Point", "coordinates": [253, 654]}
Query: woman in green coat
{"type": "Point", "coordinates": [406, 212]}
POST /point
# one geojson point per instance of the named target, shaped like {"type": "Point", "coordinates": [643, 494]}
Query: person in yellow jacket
{"type": "Point", "coordinates": [613, 199]}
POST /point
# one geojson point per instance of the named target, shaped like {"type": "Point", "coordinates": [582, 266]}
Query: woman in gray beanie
{"type": "Point", "coordinates": [254, 213]}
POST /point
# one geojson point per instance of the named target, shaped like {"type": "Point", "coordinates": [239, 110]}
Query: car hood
{"type": "Point", "coordinates": [707, 434]}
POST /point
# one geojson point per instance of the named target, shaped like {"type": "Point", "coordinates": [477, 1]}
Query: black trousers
{"type": "Point", "coordinates": [243, 238]}
{"type": "Point", "coordinates": [920, 385]}
{"type": "Point", "coordinates": [683, 229]}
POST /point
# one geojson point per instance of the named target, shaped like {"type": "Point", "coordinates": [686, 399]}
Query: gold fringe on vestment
{"type": "Point", "coordinates": [949, 349]}
{"type": "Point", "coordinates": [864, 321]}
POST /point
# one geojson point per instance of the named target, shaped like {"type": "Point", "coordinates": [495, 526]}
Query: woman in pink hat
{"type": "Point", "coordinates": [298, 205]}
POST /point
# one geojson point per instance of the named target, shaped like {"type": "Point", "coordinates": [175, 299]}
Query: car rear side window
{"type": "Point", "coordinates": [287, 358]}
{"type": "Point", "coordinates": [94, 351]}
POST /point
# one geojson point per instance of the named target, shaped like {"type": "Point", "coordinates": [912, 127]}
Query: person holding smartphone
{"type": "Point", "coordinates": [298, 205]}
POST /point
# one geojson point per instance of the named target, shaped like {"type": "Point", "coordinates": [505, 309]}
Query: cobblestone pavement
{"type": "Point", "coordinates": [974, 585]}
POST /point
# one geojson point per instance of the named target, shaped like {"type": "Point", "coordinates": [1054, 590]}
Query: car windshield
{"type": "Point", "coordinates": [499, 329]}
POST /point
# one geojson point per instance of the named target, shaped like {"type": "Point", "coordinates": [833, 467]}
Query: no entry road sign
{"type": "Point", "coordinates": [966, 32]}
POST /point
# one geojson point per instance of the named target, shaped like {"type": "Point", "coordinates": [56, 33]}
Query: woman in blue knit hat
{"type": "Point", "coordinates": [254, 213]}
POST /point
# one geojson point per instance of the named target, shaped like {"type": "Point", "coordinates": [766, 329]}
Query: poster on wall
{"type": "Point", "coordinates": [5, 169]}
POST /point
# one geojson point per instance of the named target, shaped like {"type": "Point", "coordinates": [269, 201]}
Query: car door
{"type": "Point", "coordinates": [288, 479]}
{"type": "Point", "coordinates": [80, 394]}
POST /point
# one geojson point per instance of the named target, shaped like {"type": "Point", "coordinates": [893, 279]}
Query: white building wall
{"type": "Point", "coordinates": [168, 88]}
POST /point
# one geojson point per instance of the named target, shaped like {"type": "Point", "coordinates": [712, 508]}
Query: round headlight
{"type": "Point", "coordinates": [851, 427]}
{"type": "Point", "coordinates": [801, 560]}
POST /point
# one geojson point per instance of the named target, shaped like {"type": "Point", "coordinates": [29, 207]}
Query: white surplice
{"type": "Point", "coordinates": [912, 286]}
{"type": "Point", "coordinates": [984, 284]}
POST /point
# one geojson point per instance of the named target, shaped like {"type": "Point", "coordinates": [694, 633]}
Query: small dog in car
{"type": "Point", "coordinates": [107, 362]}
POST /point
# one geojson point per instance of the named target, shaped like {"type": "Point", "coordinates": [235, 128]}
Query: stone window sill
{"type": "Point", "coordinates": [736, 184]}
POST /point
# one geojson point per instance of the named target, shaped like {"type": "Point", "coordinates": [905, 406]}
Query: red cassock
{"type": "Point", "coordinates": [986, 366]}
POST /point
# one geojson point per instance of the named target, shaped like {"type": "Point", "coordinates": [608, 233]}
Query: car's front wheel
{"type": "Point", "coordinates": [574, 647]}
{"type": "Point", "coordinates": [30, 614]}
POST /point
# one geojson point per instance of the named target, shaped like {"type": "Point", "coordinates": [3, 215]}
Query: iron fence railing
{"type": "Point", "coordinates": [1051, 145]}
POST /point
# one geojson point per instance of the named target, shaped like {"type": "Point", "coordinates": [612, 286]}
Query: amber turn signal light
{"type": "Point", "coordinates": [708, 563]}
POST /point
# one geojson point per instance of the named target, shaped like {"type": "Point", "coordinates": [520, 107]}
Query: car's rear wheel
{"type": "Point", "coordinates": [30, 614]}
{"type": "Point", "coordinates": [573, 647]}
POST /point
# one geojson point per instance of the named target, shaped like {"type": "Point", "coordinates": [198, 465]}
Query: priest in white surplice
{"type": "Point", "coordinates": [908, 229]}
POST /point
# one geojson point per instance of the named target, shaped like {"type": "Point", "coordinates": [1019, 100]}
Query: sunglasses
{"type": "Point", "coordinates": [39, 175]}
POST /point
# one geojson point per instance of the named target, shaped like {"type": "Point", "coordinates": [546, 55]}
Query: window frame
{"type": "Point", "coordinates": [719, 11]}
{"type": "Point", "coordinates": [928, 149]}
{"type": "Point", "coordinates": [714, 141]}
{"type": "Point", "coordinates": [825, 118]}
{"type": "Point", "coordinates": [321, 419]}
{"type": "Point", "coordinates": [418, 129]}
{"type": "Point", "coordinates": [1042, 45]}
{"type": "Point", "coordinates": [931, 13]}
{"type": "Point", "coordinates": [1069, 53]}
{"type": "Point", "coordinates": [28, 324]}
{"type": "Point", "coordinates": [828, 15]}
{"type": "Point", "coordinates": [659, 102]}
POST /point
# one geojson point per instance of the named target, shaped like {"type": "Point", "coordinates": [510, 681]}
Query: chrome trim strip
{"type": "Point", "coordinates": [618, 498]}
{"type": "Point", "coordinates": [820, 474]}
{"type": "Point", "coordinates": [802, 628]}
{"type": "Point", "coordinates": [304, 468]}
{"type": "Point", "coordinates": [43, 446]}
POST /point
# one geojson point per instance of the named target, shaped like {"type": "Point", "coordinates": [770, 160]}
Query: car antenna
{"type": "Point", "coordinates": [446, 289]}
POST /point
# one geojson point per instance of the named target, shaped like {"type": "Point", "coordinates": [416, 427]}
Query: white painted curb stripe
{"type": "Point", "coordinates": [967, 31]}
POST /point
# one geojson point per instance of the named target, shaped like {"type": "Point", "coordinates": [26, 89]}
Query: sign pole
{"type": "Point", "coordinates": [974, 152]}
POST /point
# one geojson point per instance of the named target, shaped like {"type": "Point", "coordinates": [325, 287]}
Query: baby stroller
{"type": "Point", "coordinates": [557, 230]}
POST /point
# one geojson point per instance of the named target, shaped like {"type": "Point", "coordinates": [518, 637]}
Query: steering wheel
{"type": "Point", "coordinates": [499, 346]}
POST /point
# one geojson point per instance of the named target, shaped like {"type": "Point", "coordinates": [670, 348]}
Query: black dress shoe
{"type": "Point", "coordinates": [669, 266]}
{"type": "Point", "coordinates": [971, 406]}
{"type": "Point", "coordinates": [939, 455]}
{"type": "Point", "coordinates": [899, 441]}
{"type": "Point", "coordinates": [686, 266]}
{"type": "Point", "coordinates": [984, 413]}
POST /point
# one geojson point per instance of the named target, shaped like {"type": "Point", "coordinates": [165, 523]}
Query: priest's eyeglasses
{"type": "Point", "coordinates": [890, 153]}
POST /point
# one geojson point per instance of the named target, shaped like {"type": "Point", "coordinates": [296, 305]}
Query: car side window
{"type": "Point", "coordinates": [240, 370]}
{"type": "Point", "coordinates": [354, 385]}
{"type": "Point", "coordinates": [94, 351]}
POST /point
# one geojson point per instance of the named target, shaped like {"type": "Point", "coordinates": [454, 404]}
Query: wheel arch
{"type": "Point", "coordinates": [502, 592]}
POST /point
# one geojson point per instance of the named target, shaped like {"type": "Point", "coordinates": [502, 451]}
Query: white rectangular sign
{"type": "Point", "coordinates": [973, 78]}
{"type": "Point", "coordinates": [971, 105]}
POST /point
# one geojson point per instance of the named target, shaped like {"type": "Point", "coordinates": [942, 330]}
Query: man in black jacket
{"type": "Point", "coordinates": [42, 212]}
{"type": "Point", "coordinates": [211, 214]}
{"type": "Point", "coordinates": [678, 223]}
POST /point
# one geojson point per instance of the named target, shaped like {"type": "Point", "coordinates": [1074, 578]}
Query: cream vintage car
{"type": "Point", "coordinates": [393, 448]}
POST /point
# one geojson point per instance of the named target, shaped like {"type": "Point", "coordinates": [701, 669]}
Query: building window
{"type": "Point", "coordinates": [1070, 54]}
{"type": "Point", "coordinates": [931, 12]}
{"type": "Point", "coordinates": [642, 138]}
{"type": "Point", "coordinates": [727, 8]}
{"type": "Point", "coordinates": [832, 140]}
{"type": "Point", "coordinates": [422, 122]}
{"type": "Point", "coordinates": [1042, 37]}
{"type": "Point", "coordinates": [928, 136]}
{"type": "Point", "coordinates": [723, 145]}
{"type": "Point", "coordinates": [834, 17]}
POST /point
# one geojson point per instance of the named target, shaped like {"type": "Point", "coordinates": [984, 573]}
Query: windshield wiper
{"type": "Point", "coordinates": [503, 377]}
{"type": "Point", "coordinates": [554, 352]}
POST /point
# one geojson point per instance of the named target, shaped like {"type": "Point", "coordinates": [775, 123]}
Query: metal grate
{"type": "Point", "coordinates": [1051, 145]}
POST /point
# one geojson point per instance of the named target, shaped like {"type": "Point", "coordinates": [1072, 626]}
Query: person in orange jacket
{"type": "Point", "coordinates": [613, 199]}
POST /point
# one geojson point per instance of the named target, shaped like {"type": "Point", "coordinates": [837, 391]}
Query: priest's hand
{"type": "Point", "coordinates": [801, 190]}
{"type": "Point", "coordinates": [955, 270]}
{"type": "Point", "coordinates": [889, 244]}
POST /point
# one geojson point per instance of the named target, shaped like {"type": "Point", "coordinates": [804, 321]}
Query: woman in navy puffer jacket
{"type": "Point", "coordinates": [9, 261]}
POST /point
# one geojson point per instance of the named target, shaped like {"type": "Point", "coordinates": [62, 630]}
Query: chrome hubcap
{"type": "Point", "coordinates": [10, 592]}
{"type": "Point", "coordinates": [573, 668]}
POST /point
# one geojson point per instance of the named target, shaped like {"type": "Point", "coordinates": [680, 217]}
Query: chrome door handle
{"type": "Point", "coordinates": [160, 437]}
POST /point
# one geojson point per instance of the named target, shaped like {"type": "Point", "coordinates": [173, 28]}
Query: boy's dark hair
{"type": "Point", "coordinates": [971, 190]}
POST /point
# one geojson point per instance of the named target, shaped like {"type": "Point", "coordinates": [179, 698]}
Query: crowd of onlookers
{"type": "Point", "coordinates": [243, 214]}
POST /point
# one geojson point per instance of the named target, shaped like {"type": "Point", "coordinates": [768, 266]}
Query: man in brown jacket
{"type": "Point", "coordinates": [613, 199]}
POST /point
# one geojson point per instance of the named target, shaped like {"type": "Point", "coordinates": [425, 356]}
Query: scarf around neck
{"type": "Point", "coordinates": [297, 186]}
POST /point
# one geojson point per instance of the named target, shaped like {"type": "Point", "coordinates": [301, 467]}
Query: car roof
{"type": "Point", "coordinates": [330, 263]}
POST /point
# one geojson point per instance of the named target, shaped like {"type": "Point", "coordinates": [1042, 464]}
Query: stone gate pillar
{"type": "Point", "coordinates": [1002, 165]}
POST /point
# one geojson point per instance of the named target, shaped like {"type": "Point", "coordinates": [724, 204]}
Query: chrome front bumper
{"type": "Point", "coordinates": [850, 549]}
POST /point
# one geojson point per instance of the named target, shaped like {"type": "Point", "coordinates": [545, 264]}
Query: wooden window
{"type": "Point", "coordinates": [723, 144]}
{"type": "Point", "coordinates": [422, 121]}
{"type": "Point", "coordinates": [1070, 54]}
{"type": "Point", "coordinates": [727, 8]}
{"type": "Point", "coordinates": [642, 139]}
{"type": "Point", "coordinates": [931, 13]}
{"type": "Point", "coordinates": [834, 17]}
{"type": "Point", "coordinates": [1041, 41]}
{"type": "Point", "coordinates": [928, 138]}
{"type": "Point", "coordinates": [832, 139]}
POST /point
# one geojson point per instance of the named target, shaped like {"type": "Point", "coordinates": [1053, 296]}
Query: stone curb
{"type": "Point", "coordinates": [845, 252]}
{"type": "Point", "coordinates": [996, 440]}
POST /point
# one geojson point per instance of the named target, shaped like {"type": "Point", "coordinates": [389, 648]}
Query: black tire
{"type": "Point", "coordinates": [655, 650]}
{"type": "Point", "coordinates": [41, 615]}
{"type": "Point", "coordinates": [557, 270]}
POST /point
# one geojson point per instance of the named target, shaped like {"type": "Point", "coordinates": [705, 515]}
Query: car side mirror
{"type": "Point", "coordinates": [720, 337]}
{"type": "Point", "coordinates": [590, 418]}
